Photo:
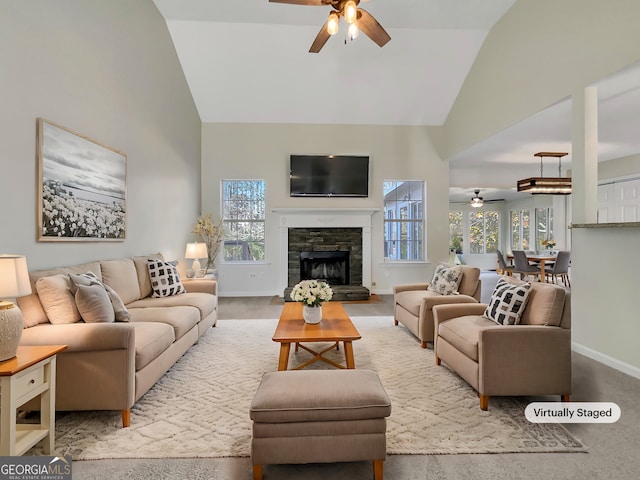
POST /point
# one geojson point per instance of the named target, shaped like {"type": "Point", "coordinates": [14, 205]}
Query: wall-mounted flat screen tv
{"type": "Point", "coordinates": [329, 176]}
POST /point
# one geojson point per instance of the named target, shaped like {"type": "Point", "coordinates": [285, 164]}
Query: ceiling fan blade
{"type": "Point", "coordinates": [372, 28]}
{"type": "Point", "coordinates": [302, 2]}
{"type": "Point", "coordinates": [320, 40]}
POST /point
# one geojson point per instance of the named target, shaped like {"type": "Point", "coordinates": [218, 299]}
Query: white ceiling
{"type": "Point", "coordinates": [248, 61]}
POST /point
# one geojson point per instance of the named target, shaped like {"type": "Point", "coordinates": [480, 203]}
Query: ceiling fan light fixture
{"type": "Point", "coordinates": [477, 201]}
{"type": "Point", "coordinates": [547, 185]}
{"type": "Point", "coordinates": [353, 31]}
{"type": "Point", "coordinates": [350, 11]}
{"type": "Point", "coordinates": [332, 23]}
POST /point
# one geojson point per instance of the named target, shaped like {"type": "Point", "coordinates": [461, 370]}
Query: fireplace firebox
{"type": "Point", "coordinates": [331, 267]}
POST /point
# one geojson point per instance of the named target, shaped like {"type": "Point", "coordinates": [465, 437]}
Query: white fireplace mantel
{"type": "Point", "coordinates": [326, 218]}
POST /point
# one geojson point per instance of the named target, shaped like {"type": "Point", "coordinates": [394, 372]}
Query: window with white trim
{"type": "Point", "coordinates": [404, 219]}
{"type": "Point", "coordinates": [484, 232]}
{"type": "Point", "coordinates": [520, 229]}
{"type": "Point", "coordinates": [243, 216]}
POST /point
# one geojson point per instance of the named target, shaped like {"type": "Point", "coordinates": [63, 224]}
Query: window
{"type": "Point", "coordinates": [243, 215]}
{"type": "Point", "coordinates": [455, 232]}
{"type": "Point", "coordinates": [403, 220]}
{"type": "Point", "coordinates": [544, 226]}
{"type": "Point", "coordinates": [484, 232]}
{"type": "Point", "coordinates": [520, 230]}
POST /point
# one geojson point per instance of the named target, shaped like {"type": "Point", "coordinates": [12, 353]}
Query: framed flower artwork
{"type": "Point", "coordinates": [82, 187]}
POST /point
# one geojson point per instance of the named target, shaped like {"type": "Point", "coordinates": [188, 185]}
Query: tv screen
{"type": "Point", "coordinates": [329, 176]}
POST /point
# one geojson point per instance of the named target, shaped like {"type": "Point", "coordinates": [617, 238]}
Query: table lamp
{"type": "Point", "coordinates": [14, 282]}
{"type": "Point", "coordinates": [196, 251]}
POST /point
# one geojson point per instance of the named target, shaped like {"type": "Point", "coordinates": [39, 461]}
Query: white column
{"type": "Point", "coordinates": [584, 157]}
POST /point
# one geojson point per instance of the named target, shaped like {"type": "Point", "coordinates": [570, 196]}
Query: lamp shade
{"type": "Point", "coordinates": [196, 250]}
{"type": "Point", "coordinates": [14, 276]}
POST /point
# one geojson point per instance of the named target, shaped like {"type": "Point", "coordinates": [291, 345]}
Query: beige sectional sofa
{"type": "Point", "coordinates": [110, 365]}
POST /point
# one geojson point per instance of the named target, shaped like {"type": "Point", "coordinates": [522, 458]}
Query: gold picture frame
{"type": "Point", "coordinates": [82, 187]}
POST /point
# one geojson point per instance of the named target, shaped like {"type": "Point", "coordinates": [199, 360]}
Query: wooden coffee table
{"type": "Point", "coordinates": [335, 327]}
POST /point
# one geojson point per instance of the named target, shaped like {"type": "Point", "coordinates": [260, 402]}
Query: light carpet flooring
{"type": "Point", "coordinates": [613, 448]}
{"type": "Point", "coordinates": [204, 401]}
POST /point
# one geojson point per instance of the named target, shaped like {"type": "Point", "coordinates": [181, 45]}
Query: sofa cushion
{"type": "Point", "coordinates": [121, 275]}
{"type": "Point", "coordinates": [142, 270]}
{"type": "Point", "coordinates": [57, 300]}
{"type": "Point", "coordinates": [181, 318]}
{"type": "Point", "coordinates": [545, 304]}
{"type": "Point", "coordinates": [507, 302]}
{"type": "Point", "coordinates": [446, 280]}
{"type": "Point", "coordinates": [204, 302]}
{"type": "Point", "coordinates": [469, 281]}
{"type": "Point", "coordinates": [121, 313]}
{"type": "Point", "coordinates": [165, 280]}
{"type": "Point", "coordinates": [93, 304]}
{"type": "Point", "coordinates": [33, 312]}
{"type": "Point", "coordinates": [319, 396]}
{"type": "Point", "coordinates": [463, 333]}
{"type": "Point", "coordinates": [152, 338]}
{"type": "Point", "coordinates": [411, 300]}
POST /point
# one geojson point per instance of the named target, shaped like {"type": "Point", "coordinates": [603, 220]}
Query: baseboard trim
{"type": "Point", "coordinates": [606, 359]}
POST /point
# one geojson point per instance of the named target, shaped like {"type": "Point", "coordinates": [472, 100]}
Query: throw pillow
{"type": "Point", "coordinates": [165, 280]}
{"type": "Point", "coordinates": [507, 302]}
{"type": "Point", "coordinates": [446, 280]}
{"type": "Point", "coordinates": [119, 309]}
{"type": "Point", "coordinates": [57, 300]}
{"type": "Point", "coordinates": [94, 304]}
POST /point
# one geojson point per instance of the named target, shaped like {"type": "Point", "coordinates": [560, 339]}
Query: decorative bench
{"type": "Point", "coordinates": [319, 416]}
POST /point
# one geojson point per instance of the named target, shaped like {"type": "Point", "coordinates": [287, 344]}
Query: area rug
{"type": "Point", "coordinates": [200, 408]}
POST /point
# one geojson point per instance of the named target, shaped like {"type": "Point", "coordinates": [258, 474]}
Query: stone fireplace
{"type": "Point", "coordinates": [327, 244]}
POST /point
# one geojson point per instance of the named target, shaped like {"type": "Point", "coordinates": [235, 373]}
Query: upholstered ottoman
{"type": "Point", "coordinates": [319, 416]}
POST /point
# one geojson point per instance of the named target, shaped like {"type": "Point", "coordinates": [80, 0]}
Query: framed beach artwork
{"type": "Point", "coordinates": [82, 187]}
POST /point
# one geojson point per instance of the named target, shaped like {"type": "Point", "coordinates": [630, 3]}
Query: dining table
{"type": "Point", "coordinates": [541, 258]}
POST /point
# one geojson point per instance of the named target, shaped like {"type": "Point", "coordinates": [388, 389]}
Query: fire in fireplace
{"type": "Point", "coordinates": [331, 267]}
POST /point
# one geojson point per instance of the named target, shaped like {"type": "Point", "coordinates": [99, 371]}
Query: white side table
{"type": "Point", "coordinates": [31, 373]}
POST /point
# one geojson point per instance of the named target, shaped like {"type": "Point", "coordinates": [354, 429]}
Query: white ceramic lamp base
{"type": "Point", "coordinates": [11, 326]}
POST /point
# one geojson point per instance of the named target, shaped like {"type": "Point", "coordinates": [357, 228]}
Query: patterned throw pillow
{"type": "Point", "coordinates": [446, 280]}
{"type": "Point", "coordinates": [507, 302]}
{"type": "Point", "coordinates": [165, 280]}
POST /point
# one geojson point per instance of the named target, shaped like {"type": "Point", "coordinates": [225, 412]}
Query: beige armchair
{"type": "Point", "coordinates": [413, 303]}
{"type": "Point", "coordinates": [531, 358]}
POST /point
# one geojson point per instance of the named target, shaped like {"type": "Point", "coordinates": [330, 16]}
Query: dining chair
{"type": "Point", "coordinates": [561, 268]}
{"type": "Point", "coordinates": [523, 267]}
{"type": "Point", "coordinates": [504, 267]}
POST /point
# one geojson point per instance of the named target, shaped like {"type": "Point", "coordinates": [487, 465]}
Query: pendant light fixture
{"type": "Point", "coordinates": [547, 185]}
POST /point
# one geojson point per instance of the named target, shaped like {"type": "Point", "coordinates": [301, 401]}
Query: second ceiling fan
{"type": "Point", "coordinates": [477, 201]}
{"type": "Point", "coordinates": [356, 17]}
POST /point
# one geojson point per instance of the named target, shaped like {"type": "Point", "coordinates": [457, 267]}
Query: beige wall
{"type": "Point", "coordinates": [261, 151]}
{"type": "Point", "coordinates": [620, 168]}
{"type": "Point", "coordinates": [540, 52]}
{"type": "Point", "coordinates": [108, 70]}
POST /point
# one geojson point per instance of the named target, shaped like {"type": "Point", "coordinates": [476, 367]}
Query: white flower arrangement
{"type": "Point", "coordinates": [311, 292]}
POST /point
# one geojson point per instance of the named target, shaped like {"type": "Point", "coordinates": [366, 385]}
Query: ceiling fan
{"type": "Point", "coordinates": [477, 201]}
{"type": "Point", "coordinates": [357, 18]}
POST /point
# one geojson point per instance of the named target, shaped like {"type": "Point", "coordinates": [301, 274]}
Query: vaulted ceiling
{"type": "Point", "coordinates": [248, 61]}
